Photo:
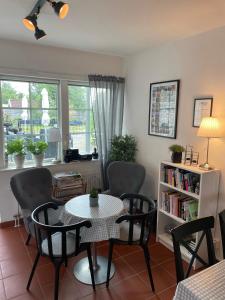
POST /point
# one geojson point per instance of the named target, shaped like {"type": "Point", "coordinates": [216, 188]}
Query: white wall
{"type": "Point", "coordinates": [42, 61]}
{"type": "Point", "coordinates": [199, 62]}
{"type": "Point", "coordinates": [23, 58]}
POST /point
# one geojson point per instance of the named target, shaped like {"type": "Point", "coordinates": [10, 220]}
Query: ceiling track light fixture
{"type": "Point", "coordinates": [30, 22]}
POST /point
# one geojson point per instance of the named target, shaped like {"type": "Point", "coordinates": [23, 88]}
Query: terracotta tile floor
{"type": "Point", "coordinates": [129, 282]}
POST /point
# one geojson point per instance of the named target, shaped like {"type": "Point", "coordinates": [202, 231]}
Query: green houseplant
{"type": "Point", "coordinates": [37, 149]}
{"type": "Point", "coordinates": [93, 197]}
{"type": "Point", "coordinates": [176, 150]}
{"type": "Point", "coordinates": [123, 148]}
{"type": "Point", "coordinates": [17, 149]}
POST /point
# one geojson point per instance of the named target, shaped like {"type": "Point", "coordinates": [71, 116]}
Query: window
{"type": "Point", "coordinates": [29, 109]}
{"type": "Point", "coordinates": [81, 121]}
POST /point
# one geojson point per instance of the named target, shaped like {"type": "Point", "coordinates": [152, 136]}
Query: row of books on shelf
{"type": "Point", "coordinates": [182, 179]}
{"type": "Point", "coordinates": [179, 205]}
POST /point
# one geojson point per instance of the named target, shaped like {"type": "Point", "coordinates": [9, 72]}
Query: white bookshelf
{"type": "Point", "coordinates": [207, 203]}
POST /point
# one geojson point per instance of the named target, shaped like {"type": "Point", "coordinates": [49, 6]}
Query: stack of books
{"type": "Point", "coordinates": [182, 179]}
{"type": "Point", "coordinates": [179, 205]}
{"type": "Point", "coordinates": [68, 185]}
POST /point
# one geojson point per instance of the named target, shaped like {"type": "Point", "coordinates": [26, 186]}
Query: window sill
{"type": "Point", "coordinates": [48, 164]}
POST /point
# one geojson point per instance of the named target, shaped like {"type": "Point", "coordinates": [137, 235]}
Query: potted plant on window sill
{"type": "Point", "coordinates": [176, 150]}
{"type": "Point", "coordinates": [37, 149]}
{"type": "Point", "coordinates": [17, 149]}
{"type": "Point", "coordinates": [93, 197]}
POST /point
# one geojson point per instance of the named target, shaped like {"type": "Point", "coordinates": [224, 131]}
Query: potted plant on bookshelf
{"type": "Point", "coordinates": [37, 149]}
{"type": "Point", "coordinates": [93, 197]}
{"type": "Point", "coordinates": [176, 150]}
{"type": "Point", "coordinates": [17, 149]}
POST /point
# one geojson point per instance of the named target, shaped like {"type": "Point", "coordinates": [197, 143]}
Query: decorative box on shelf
{"type": "Point", "coordinates": [68, 185]}
{"type": "Point", "coordinates": [184, 194]}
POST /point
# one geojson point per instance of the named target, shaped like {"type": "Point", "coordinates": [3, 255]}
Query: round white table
{"type": "Point", "coordinates": [103, 227]}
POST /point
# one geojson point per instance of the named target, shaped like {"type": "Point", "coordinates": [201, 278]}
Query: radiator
{"type": "Point", "coordinates": [92, 181]}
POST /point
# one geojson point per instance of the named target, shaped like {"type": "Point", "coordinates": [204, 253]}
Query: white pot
{"type": "Point", "coordinates": [93, 201]}
{"type": "Point", "coordinates": [19, 160]}
{"type": "Point", "coordinates": [38, 158]}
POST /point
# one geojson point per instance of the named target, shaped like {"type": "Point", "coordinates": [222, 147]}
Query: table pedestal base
{"type": "Point", "coordinates": [82, 272]}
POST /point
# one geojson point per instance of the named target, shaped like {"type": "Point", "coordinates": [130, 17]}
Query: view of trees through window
{"type": "Point", "coordinates": [81, 121]}
{"type": "Point", "coordinates": [29, 109]}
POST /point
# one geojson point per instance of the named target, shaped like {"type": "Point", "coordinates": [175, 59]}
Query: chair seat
{"type": "Point", "coordinates": [57, 244]}
{"type": "Point", "coordinates": [124, 231]}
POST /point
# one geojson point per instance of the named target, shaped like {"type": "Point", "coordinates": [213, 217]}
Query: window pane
{"type": "Point", "coordinates": [16, 121]}
{"type": "Point", "coordinates": [44, 95]}
{"type": "Point", "coordinates": [81, 122]}
{"type": "Point", "coordinates": [78, 97]}
{"type": "Point", "coordinates": [14, 94]}
{"type": "Point", "coordinates": [43, 119]}
{"type": "Point", "coordinates": [23, 113]}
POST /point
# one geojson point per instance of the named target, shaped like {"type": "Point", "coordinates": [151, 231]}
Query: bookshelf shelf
{"type": "Point", "coordinates": [172, 216]}
{"type": "Point", "coordinates": [193, 195]}
{"type": "Point", "coordinates": [205, 200]}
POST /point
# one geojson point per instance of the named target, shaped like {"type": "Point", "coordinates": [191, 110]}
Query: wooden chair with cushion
{"type": "Point", "coordinates": [135, 228]}
{"type": "Point", "coordinates": [181, 234]}
{"type": "Point", "coordinates": [58, 243]}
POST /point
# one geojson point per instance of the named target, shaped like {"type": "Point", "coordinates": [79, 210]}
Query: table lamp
{"type": "Point", "coordinates": [54, 136]}
{"type": "Point", "coordinates": [210, 128]}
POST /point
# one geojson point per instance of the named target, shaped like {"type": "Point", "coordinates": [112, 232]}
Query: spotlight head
{"type": "Point", "coordinates": [39, 33]}
{"type": "Point", "coordinates": [60, 8]}
{"type": "Point", "coordinates": [30, 22]}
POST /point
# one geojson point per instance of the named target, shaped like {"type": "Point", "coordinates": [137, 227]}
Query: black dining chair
{"type": "Point", "coordinates": [135, 228]}
{"type": "Point", "coordinates": [58, 243]}
{"type": "Point", "coordinates": [222, 229]}
{"type": "Point", "coordinates": [181, 237]}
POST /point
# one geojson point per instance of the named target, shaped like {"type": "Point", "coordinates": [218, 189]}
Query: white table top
{"type": "Point", "coordinates": [208, 284]}
{"type": "Point", "coordinates": [108, 206]}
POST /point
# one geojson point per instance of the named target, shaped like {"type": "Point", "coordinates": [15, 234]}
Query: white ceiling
{"type": "Point", "coordinates": [118, 27]}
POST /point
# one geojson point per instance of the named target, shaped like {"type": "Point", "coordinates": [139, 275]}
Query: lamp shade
{"type": "Point", "coordinates": [210, 127]}
{"type": "Point", "coordinates": [53, 135]}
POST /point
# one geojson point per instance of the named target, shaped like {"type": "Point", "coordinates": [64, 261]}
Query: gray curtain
{"type": "Point", "coordinates": [107, 98]}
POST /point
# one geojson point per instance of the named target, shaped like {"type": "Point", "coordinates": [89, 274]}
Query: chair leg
{"type": "Point", "coordinates": [28, 239]}
{"type": "Point", "coordinates": [91, 266]}
{"type": "Point", "coordinates": [147, 258]}
{"type": "Point", "coordinates": [33, 269]}
{"type": "Point", "coordinates": [109, 263]}
{"type": "Point", "coordinates": [56, 288]}
{"type": "Point", "coordinates": [66, 262]}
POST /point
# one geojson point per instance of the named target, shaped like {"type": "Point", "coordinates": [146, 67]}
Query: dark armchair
{"type": "Point", "coordinates": [124, 177]}
{"type": "Point", "coordinates": [31, 189]}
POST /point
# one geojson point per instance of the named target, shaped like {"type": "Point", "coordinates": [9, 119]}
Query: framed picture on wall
{"type": "Point", "coordinates": [202, 108]}
{"type": "Point", "coordinates": [163, 107]}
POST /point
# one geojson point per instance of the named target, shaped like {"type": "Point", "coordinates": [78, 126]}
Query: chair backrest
{"type": "Point", "coordinates": [32, 188]}
{"type": "Point", "coordinates": [181, 237]}
{"type": "Point", "coordinates": [141, 212]}
{"type": "Point", "coordinates": [222, 229]}
{"type": "Point", "coordinates": [45, 231]}
{"type": "Point", "coordinates": [125, 177]}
